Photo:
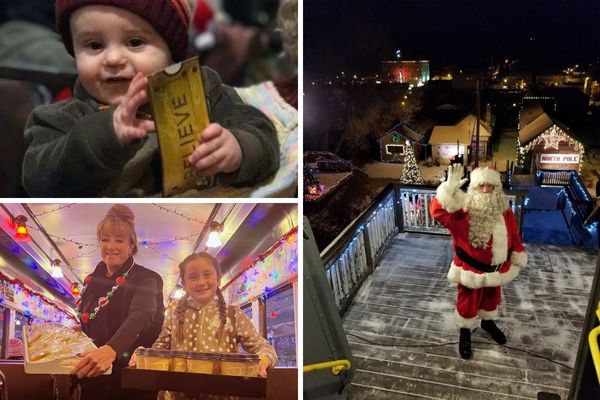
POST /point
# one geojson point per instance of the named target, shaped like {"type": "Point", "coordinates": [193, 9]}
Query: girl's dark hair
{"type": "Point", "coordinates": [182, 303]}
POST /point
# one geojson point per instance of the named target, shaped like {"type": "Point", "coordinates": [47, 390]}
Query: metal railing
{"type": "Point", "coordinates": [414, 205]}
{"type": "Point", "coordinates": [353, 255]}
{"type": "Point", "coordinates": [336, 366]}
{"type": "Point", "coordinates": [593, 342]}
{"type": "Point", "coordinates": [574, 200]}
{"type": "Point", "coordinates": [553, 178]}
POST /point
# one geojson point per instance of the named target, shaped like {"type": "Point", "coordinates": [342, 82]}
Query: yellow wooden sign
{"type": "Point", "coordinates": [180, 113]}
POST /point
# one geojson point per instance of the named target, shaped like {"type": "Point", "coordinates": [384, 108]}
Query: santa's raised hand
{"type": "Point", "coordinates": [455, 177]}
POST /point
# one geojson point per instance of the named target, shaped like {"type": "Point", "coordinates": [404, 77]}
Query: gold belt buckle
{"type": "Point", "coordinates": [180, 114]}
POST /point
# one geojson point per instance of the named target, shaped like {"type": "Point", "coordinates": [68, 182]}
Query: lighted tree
{"type": "Point", "coordinates": [410, 174]}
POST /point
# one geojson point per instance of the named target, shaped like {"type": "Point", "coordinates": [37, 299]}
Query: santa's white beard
{"type": "Point", "coordinates": [484, 210]}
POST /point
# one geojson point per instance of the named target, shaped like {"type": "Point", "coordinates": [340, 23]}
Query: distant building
{"type": "Point", "coordinates": [392, 146]}
{"type": "Point", "coordinates": [512, 81]}
{"type": "Point", "coordinates": [448, 141]}
{"type": "Point", "coordinates": [557, 79]}
{"type": "Point", "coordinates": [411, 72]}
{"type": "Point", "coordinates": [466, 80]}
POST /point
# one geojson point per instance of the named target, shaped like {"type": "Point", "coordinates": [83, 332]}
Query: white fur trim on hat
{"type": "Point", "coordinates": [488, 314]}
{"type": "Point", "coordinates": [451, 202]}
{"type": "Point", "coordinates": [463, 322]}
{"type": "Point", "coordinates": [474, 280]}
{"type": "Point", "coordinates": [518, 259]}
{"type": "Point", "coordinates": [482, 175]}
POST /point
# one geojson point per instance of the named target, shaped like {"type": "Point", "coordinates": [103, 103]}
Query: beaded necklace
{"type": "Point", "coordinates": [102, 301]}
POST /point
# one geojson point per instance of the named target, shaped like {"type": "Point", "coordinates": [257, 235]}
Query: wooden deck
{"type": "Point", "coordinates": [409, 302]}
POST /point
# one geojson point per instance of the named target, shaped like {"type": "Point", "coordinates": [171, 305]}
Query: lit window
{"type": "Point", "coordinates": [281, 326]}
{"type": "Point", "coordinates": [394, 149]}
{"type": "Point", "coordinates": [247, 309]}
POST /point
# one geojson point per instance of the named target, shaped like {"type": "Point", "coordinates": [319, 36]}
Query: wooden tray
{"type": "Point", "coordinates": [192, 383]}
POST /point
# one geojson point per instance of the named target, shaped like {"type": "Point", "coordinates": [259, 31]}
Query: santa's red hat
{"type": "Point", "coordinates": [488, 175]}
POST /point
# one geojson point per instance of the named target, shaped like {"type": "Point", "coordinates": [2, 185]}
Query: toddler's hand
{"type": "Point", "coordinates": [218, 151]}
{"type": "Point", "coordinates": [127, 126]}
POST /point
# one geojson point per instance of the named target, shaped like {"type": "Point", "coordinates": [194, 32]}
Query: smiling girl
{"type": "Point", "coordinates": [201, 321]}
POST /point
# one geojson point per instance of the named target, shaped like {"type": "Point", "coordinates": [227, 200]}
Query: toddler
{"type": "Point", "coordinates": [95, 145]}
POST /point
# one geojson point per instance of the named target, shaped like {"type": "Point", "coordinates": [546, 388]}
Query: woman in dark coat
{"type": "Point", "coordinates": [121, 308]}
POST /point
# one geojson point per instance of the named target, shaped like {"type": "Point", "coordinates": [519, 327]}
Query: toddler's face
{"type": "Point", "coordinates": [200, 280]}
{"type": "Point", "coordinates": [111, 45]}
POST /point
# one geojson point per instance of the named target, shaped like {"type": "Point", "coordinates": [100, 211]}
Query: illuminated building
{"type": "Point", "coordinates": [411, 72]}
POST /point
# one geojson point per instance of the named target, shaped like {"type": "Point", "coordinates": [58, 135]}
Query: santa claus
{"type": "Point", "coordinates": [488, 252]}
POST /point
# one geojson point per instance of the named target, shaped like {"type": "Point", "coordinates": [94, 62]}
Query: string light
{"type": "Point", "coordinates": [166, 256]}
{"type": "Point", "coordinates": [187, 237]}
{"type": "Point", "coordinates": [55, 209]}
{"type": "Point", "coordinates": [83, 255]}
{"type": "Point", "coordinates": [189, 219]}
{"type": "Point", "coordinates": [64, 239]}
{"type": "Point", "coordinates": [275, 266]}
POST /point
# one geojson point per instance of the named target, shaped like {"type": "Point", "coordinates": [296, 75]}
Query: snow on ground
{"type": "Point", "coordinates": [381, 170]}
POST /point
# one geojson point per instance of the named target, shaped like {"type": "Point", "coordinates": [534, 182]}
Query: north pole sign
{"type": "Point", "coordinates": [559, 158]}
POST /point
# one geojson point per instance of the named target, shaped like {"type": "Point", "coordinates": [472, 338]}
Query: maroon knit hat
{"type": "Point", "coordinates": [170, 18]}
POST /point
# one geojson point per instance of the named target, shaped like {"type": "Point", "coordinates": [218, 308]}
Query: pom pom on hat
{"type": "Point", "coordinates": [170, 18]}
{"type": "Point", "coordinates": [482, 175]}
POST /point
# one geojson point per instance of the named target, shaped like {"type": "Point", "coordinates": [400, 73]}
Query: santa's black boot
{"type": "Point", "coordinates": [464, 346]}
{"type": "Point", "coordinates": [490, 327]}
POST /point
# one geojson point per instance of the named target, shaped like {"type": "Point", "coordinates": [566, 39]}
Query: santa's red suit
{"type": "Point", "coordinates": [479, 272]}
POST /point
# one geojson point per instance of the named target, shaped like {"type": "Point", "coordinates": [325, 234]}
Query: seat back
{"type": "Point", "coordinates": [16, 102]}
{"type": "Point", "coordinates": [3, 390]}
{"type": "Point", "coordinates": [15, 384]}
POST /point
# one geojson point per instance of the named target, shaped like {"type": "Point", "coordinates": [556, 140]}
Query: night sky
{"type": "Point", "coordinates": [355, 35]}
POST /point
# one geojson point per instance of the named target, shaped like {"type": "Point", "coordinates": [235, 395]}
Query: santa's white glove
{"type": "Point", "coordinates": [455, 174]}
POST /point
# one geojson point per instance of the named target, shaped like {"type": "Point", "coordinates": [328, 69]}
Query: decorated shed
{"type": "Point", "coordinates": [448, 141]}
{"type": "Point", "coordinates": [546, 144]}
{"type": "Point", "coordinates": [393, 145]}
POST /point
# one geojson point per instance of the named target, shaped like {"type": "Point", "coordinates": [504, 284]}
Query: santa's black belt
{"type": "Point", "coordinates": [483, 267]}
